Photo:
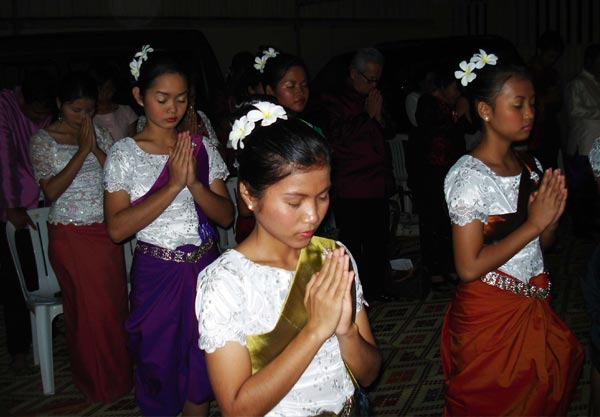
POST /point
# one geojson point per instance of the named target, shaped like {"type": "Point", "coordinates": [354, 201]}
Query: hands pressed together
{"type": "Point", "coordinates": [86, 137]}
{"type": "Point", "coordinates": [547, 204]}
{"type": "Point", "coordinates": [328, 298]}
{"type": "Point", "coordinates": [374, 104]}
{"type": "Point", "coordinates": [182, 163]}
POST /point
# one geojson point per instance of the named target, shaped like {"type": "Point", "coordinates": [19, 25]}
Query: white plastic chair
{"type": "Point", "coordinates": [227, 236]}
{"type": "Point", "coordinates": [43, 304]}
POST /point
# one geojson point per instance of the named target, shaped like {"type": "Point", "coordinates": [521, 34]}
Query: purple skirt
{"type": "Point", "coordinates": [162, 328]}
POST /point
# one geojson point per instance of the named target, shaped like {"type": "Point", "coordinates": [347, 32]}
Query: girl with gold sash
{"type": "Point", "coordinates": [504, 351]}
{"type": "Point", "coordinates": [282, 331]}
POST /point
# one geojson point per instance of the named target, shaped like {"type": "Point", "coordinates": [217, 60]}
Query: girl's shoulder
{"type": "Point", "coordinates": [468, 164]}
{"type": "Point", "coordinates": [41, 136]}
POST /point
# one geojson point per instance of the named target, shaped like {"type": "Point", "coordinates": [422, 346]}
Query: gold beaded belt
{"type": "Point", "coordinates": [508, 283]}
{"type": "Point", "coordinates": [175, 255]}
{"type": "Point", "coordinates": [345, 411]}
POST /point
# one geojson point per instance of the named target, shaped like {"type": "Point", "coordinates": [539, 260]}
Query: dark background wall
{"type": "Point", "coordinates": [319, 29]}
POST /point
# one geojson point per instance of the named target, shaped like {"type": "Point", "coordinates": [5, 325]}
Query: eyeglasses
{"type": "Point", "coordinates": [369, 80]}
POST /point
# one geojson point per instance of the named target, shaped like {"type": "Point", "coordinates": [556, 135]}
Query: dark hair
{"type": "Point", "coordinates": [76, 85]}
{"type": "Point", "coordinates": [490, 79]}
{"type": "Point", "coordinates": [103, 71]}
{"type": "Point", "coordinates": [159, 63]}
{"type": "Point", "coordinates": [439, 78]}
{"type": "Point", "coordinates": [273, 152]}
{"type": "Point", "coordinates": [276, 68]}
{"type": "Point", "coordinates": [241, 75]}
{"type": "Point", "coordinates": [551, 40]}
{"type": "Point", "coordinates": [40, 87]}
{"type": "Point", "coordinates": [592, 52]}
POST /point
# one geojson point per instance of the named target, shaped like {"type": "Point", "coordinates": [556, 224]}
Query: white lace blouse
{"type": "Point", "coordinates": [474, 192]}
{"type": "Point", "coordinates": [237, 298]}
{"type": "Point", "coordinates": [595, 157]}
{"type": "Point", "coordinates": [131, 169]}
{"type": "Point", "coordinates": [82, 201]}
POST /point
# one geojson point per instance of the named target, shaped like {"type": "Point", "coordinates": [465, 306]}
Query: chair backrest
{"type": "Point", "coordinates": [129, 250]}
{"type": "Point", "coordinates": [398, 158]}
{"type": "Point", "coordinates": [227, 236]}
{"type": "Point", "coordinates": [48, 285]}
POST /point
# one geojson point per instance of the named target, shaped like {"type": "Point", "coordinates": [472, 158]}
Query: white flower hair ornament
{"type": "Point", "coordinates": [261, 61]}
{"type": "Point", "coordinates": [478, 61]}
{"type": "Point", "coordinates": [138, 59]}
{"type": "Point", "coordinates": [264, 112]}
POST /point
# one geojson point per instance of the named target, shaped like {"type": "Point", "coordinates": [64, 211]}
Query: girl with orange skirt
{"type": "Point", "coordinates": [504, 351]}
{"type": "Point", "coordinates": [67, 158]}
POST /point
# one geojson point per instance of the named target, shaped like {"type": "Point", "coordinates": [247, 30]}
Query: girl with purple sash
{"type": "Point", "coordinates": [163, 186]}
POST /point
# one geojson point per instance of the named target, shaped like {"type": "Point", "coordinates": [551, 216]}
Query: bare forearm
{"type": "Point", "coordinates": [363, 358]}
{"type": "Point", "coordinates": [490, 257]}
{"type": "Point", "coordinates": [54, 187]}
{"type": "Point", "coordinates": [265, 389]}
{"type": "Point", "coordinates": [217, 208]}
{"type": "Point", "coordinates": [548, 237]}
{"type": "Point", "coordinates": [100, 156]}
{"type": "Point", "coordinates": [130, 220]}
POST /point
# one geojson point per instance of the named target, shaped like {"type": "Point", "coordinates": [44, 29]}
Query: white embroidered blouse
{"type": "Point", "coordinates": [133, 170]}
{"type": "Point", "coordinates": [595, 157]}
{"type": "Point", "coordinates": [474, 192]}
{"type": "Point", "coordinates": [237, 298]}
{"type": "Point", "coordinates": [82, 201]}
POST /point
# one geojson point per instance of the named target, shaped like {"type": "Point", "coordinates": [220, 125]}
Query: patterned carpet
{"type": "Point", "coordinates": [408, 331]}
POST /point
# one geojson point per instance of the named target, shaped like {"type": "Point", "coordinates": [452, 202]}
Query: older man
{"type": "Point", "coordinates": [353, 122]}
{"type": "Point", "coordinates": [583, 104]}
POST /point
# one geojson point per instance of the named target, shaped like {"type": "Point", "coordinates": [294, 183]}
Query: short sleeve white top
{"type": "Point", "coordinates": [595, 157]}
{"type": "Point", "coordinates": [474, 192]}
{"type": "Point", "coordinates": [133, 170]}
{"type": "Point", "coordinates": [82, 201]}
{"type": "Point", "coordinates": [237, 298]}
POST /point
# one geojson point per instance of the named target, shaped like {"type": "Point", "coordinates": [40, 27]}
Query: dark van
{"type": "Point", "coordinates": [62, 52]}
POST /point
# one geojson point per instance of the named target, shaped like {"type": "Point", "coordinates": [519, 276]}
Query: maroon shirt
{"type": "Point", "coordinates": [360, 168]}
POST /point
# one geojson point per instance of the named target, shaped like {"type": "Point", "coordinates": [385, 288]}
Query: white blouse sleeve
{"type": "Point", "coordinates": [216, 165]}
{"type": "Point", "coordinates": [463, 188]}
{"type": "Point", "coordinates": [220, 307]}
{"type": "Point", "coordinates": [594, 156]}
{"type": "Point", "coordinates": [103, 138]}
{"type": "Point", "coordinates": [43, 151]}
{"type": "Point", "coordinates": [118, 168]}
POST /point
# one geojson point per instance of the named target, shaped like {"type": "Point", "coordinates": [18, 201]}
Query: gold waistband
{"type": "Point", "coordinates": [508, 283]}
{"type": "Point", "coordinates": [175, 255]}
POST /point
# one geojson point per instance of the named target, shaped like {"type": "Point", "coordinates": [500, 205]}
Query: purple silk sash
{"type": "Point", "coordinates": [201, 155]}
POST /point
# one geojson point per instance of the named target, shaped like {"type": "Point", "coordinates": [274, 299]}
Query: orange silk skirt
{"type": "Point", "coordinates": [505, 354]}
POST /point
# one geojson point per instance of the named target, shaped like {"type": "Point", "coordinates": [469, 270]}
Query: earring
{"type": "Point", "coordinates": [487, 119]}
{"type": "Point", "coordinates": [249, 206]}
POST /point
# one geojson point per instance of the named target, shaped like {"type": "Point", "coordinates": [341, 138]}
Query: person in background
{"type": "Point", "coordinates": [583, 106]}
{"type": "Point", "coordinates": [434, 146]}
{"type": "Point", "coordinates": [276, 313]}
{"type": "Point", "coordinates": [546, 139]}
{"type": "Point", "coordinates": [504, 351]}
{"type": "Point", "coordinates": [283, 77]}
{"type": "Point", "coordinates": [119, 119]}
{"type": "Point", "coordinates": [23, 110]}
{"type": "Point", "coordinates": [354, 124]}
{"type": "Point", "coordinates": [590, 285]}
{"type": "Point", "coordinates": [67, 158]}
{"type": "Point", "coordinates": [164, 186]}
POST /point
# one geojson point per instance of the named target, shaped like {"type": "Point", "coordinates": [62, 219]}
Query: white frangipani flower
{"type": "Point", "coordinates": [466, 75]}
{"type": "Point", "coordinates": [241, 128]}
{"type": "Point", "coordinates": [134, 68]}
{"type": "Point", "coordinates": [143, 54]}
{"type": "Point", "coordinates": [259, 63]}
{"type": "Point", "coordinates": [267, 113]}
{"type": "Point", "coordinates": [270, 53]}
{"type": "Point", "coordinates": [482, 59]}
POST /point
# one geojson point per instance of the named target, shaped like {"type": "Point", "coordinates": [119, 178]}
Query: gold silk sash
{"type": "Point", "coordinates": [265, 347]}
